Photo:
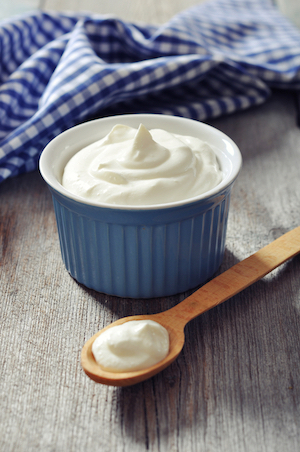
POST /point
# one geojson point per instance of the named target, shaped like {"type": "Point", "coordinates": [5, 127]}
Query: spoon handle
{"type": "Point", "coordinates": [237, 278]}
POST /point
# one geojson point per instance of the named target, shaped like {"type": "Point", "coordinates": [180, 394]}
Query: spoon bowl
{"type": "Point", "coordinates": [96, 373]}
{"type": "Point", "coordinates": [208, 296]}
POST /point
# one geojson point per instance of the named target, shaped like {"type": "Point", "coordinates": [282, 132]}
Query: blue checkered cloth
{"type": "Point", "coordinates": [57, 70]}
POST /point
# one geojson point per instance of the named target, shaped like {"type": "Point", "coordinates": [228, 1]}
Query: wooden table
{"type": "Point", "coordinates": [236, 385]}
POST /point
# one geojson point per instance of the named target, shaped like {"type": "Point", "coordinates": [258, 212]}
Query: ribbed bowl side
{"type": "Point", "coordinates": [143, 261]}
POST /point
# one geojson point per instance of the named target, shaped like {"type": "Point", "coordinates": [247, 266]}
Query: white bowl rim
{"type": "Point", "coordinates": [47, 171]}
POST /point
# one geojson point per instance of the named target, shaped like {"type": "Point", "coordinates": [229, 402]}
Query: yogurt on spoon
{"type": "Point", "coordinates": [134, 345]}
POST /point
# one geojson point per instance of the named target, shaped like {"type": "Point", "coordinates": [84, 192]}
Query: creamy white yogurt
{"type": "Point", "coordinates": [134, 345]}
{"type": "Point", "coordinates": [139, 167]}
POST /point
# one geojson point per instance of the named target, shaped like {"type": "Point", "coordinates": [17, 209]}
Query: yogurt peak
{"type": "Point", "coordinates": [139, 167]}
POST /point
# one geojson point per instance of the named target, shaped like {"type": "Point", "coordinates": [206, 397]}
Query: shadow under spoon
{"type": "Point", "coordinates": [219, 289]}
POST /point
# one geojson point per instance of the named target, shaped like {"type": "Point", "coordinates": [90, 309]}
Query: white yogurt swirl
{"type": "Point", "coordinates": [138, 167]}
{"type": "Point", "coordinates": [134, 345]}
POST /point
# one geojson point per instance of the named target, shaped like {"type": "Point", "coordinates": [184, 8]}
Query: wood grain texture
{"type": "Point", "coordinates": [236, 385]}
{"type": "Point", "coordinates": [147, 11]}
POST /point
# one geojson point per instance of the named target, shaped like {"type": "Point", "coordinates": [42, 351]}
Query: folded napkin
{"type": "Point", "coordinates": [58, 70]}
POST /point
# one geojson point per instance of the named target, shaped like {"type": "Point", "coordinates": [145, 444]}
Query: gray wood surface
{"type": "Point", "coordinates": [236, 385]}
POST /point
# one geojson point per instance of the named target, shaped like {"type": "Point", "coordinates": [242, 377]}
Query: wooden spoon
{"type": "Point", "coordinates": [211, 294]}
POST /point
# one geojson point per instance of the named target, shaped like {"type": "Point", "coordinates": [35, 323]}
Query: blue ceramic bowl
{"type": "Point", "coordinates": [141, 252]}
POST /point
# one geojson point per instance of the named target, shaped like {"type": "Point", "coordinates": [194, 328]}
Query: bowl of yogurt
{"type": "Point", "coordinates": [141, 202]}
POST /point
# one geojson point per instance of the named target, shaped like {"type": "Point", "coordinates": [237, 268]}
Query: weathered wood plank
{"type": "Point", "coordinates": [236, 385]}
{"type": "Point", "coordinates": [147, 11]}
